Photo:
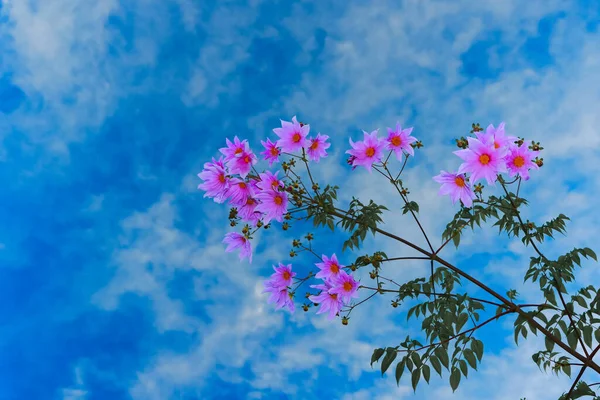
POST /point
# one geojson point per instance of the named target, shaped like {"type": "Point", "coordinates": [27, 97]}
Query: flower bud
{"type": "Point", "coordinates": [307, 295]}
{"type": "Point", "coordinates": [293, 253]}
{"type": "Point", "coordinates": [305, 307]}
{"type": "Point", "coordinates": [287, 216]}
{"type": "Point", "coordinates": [478, 188]}
{"type": "Point", "coordinates": [315, 186]}
{"type": "Point", "coordinates": [373, 274]}
{"type": "Point", "coordinates": [232, 223]}
{"type": "Point", "coordinates": [345, 320]}
{"type": "Point", "coordinates": [309, 236]}
{"type": "Point", "coordinates": [539, 161]}
{"type": "Point", "coordinates": [352, 267]}
{"type": "Point", "coordinates": [295, 243]}
{"type": "Point", "coordinates": [394, 303]}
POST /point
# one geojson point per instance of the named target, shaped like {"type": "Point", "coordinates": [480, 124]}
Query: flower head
{"type": "Point", "coordinates": [496, 137]}
{"type": "Point", "coordinates": [269, 181]}
{"type": "Point", "coordinates": [281, 296]}
{"type": "Point", "coordinates": [316, 148]}
{"type": "Point", "coordinates": [282, 277]}
{"type": "Point", "coordinates": [482, 160]}
{"type": "Point", "coordinates": [328, 302]}
{"type": "Point", "coordinates": [345, 286]}
{"type": "Point", "coordinates": [248, 211]}
{"type": "Point", "coordinates": [243, 163]}
{"type": "Point", "coordinates": [216, 181]}
{"type": "Point", "coordinates": [273, 205]}
{"type": "Point", "coordinates": [235, 240]}
{"type": "Point", "coordinates": [329, 269]}
{"type": "Point", "coordinates": [456, 186]}
{"type": "Point", "coordinates": [368, 151]}
{"type": "Point", "coordinates": [399, 140]}
{"type": "Point", "coordinates": [519, 160]}
{"type": "Point", "coordinates": [235, 149]}
{"type": "Point", "coordinates": [271, 153]}
{"type": "Point", "coordinates": [292, 135]}
{"type": "Point", "coordinates": [238, 192]}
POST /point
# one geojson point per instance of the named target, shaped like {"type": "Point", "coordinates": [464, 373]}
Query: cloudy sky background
{"type": "Point", "coordinates": [114, 283]}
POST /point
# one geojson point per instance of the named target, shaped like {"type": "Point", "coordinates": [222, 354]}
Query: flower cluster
{"type": "Point", "coordinates": [338, 286]}
{"type": "Point", "coordinates": [485, 156]}
{"type": "Point", "coordinates": [370, 150]}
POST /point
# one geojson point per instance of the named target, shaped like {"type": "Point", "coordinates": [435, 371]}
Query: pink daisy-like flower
{"type": "Point", "coordinates": [328, 302]}
{"type": "Point", "coordinates": [519, 160]}
{"type": "Point", "coordinates": [216, 181]}
{"type": "Point", "coordinates": [330, 268]}
{"type": "Point", "coordinates": [399, 140]}
{"type": "Point", "coordinates": [345, 286]}
{"type": "Point", "coordinates": [243, 163]}
{"type": "Point", "coordinates": [273, 205]}
{"type": "Point", "coordinates": [368, 151]}
{"type": "Point", "coordinates": [497, 137]}
{"type": "Point", "coordinates": [282, 297]}
{"type": "Point", "coordinates": [248, 211]}
{"type": "Point", "coordinates": [481, 161]}
{"type": "Point", "coordinates": [239, 191]}
{"type": "Point", "coordinates": [235, 240]}
{"type": "Point", "coordinates": [317, 147]}
{"type": "Point", "coordinates": [292, 135]}
{"type": "Point", "coordinates": [456, 186]}
{"type": "Point", "coordinates": [269, 181]}
{"type": "Point", "coordinates": [271, 153]}
{"type": "Point", "coordinates": [235, 149]}
{"type": "Point", "coordinates": [282, 278]}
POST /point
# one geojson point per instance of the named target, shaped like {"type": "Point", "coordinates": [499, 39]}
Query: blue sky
{"type": "Point", "coordinates": [114, 283]}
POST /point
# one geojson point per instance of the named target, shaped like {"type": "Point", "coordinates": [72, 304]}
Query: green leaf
{"type": "Point", "coordinates": [443, 356]}
{"type": "Point", "coordinates": [477, 347]}
{"type": "Point", "coordinates": [377, 353]}
{"type": "Point", "coordinates": [390, 356]}
{"type": "Point", "coordinates": [463, 367]}
{"type": "Point", "coordinates": [567, 369]}
{"type": "Point", "coordinates": [399, 371]}
{"type": "Point", "coordinates": [462, 320]}
{"type": "Point", "coordinates": [435, 363]}
{"type": "Point", "coordinates": [549, 343]}
{"type": "Point", "coordinates": [454, 378]}
{"type": "Point", "coordinates": [587, 335]}
{"type": "Point", "coordinates": [572, 340]}
{"type": "Point", "coordinates": [470, 357]}
{"type": "Point", "coordinates": [589, 252]}
{"type": "Point", "coordinates": [597, 335]}
{"type": "Point", "coordinates": [426, 372]}
{"type": "Point", "coordinates": [416, 375]}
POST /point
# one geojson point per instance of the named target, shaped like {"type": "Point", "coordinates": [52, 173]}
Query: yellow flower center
{"type": "Point", "coordinates": [347, 286]}
{"type": "Point", "coordinates": [370, 152]}
{"type": "Point", "coordinates": [274, 151]}
{"type": "Point", "coordinates": [459, 180]}
{"type": "Point", "coordinates": [396, 141]}
{"type": "Point", "coordinates": [238, 151]}
{"type": "Point", "coordinates": [222, 178]}
{"type": "Point", "coordinates": [250, 201]}
{"type": "Point", "coordinates": [247, 159]}
{"type": "Point", "coordinates": [314, 145]}
{"type": "Point", "coordinates": [484, 159]}
{"type": "Point", "coordinates": [296, 138]}
{"type": "Point", "coordinates": [333, 296]}
{"type": "Point", "coordinates": [286, 275]}
{"type": "Point", "coordinates": [496, 145]}
{"type": "Point", "coordinates": [274, 184]}
{"type": "Point", "coordinates": [242, 185]}
{"type": "Point", "coordinates": [519, 161]}
{"type": "Point", "coordinates": [335, 268]}
{"type": "Point", "coordinates": [278, 200]}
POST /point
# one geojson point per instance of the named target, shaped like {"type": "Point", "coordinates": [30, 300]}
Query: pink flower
{"type": "Point", "coordinates": [235, 149]}
{"type": "Point", "coordinates": [350, 161]}
{"type": "Point", "coordinates": [269, 181]}
{"type": "Point", "coordinates": [271, 153]}
{"type": "Point", "coordinates": [399, 140]}
{"type": "Point", "coordinates": [282, 278]}
{"type": "Point", "coordinates": [326, 300]}
{"type": "Point", "coordinates": [344, 286]}
{"type": "Point", "coordinates": [519, 160]}
{"type": "Point", "coordinates": [248, 211]}
{"type": "Point", "coordinates": [236, 240]}
{"type": "Point", "coordinates": [215, 180]}
{"type": "Point", "coordinates": [243, 163]}
{"type": "Point", "coordinates": [317, 147]}
{"type": "Point", "coordinates": [329, 269]}
{"type": "Point", "coordinates": [497, 137]}
{"type": "Point", "coordinates": [368, 151]}
{"type": "Point", "coordinates": [481, 161]}
{"type": "Point", "coordinates": [239, 191]}
{"type": "Point", "coordinates": [292, 135]}
{"type": "Point", "coordinates": [282, 297]}
{"type": "Point", "coordinates": [273, 205]}
{"type": "Point", "coordinates": [456, 186]}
